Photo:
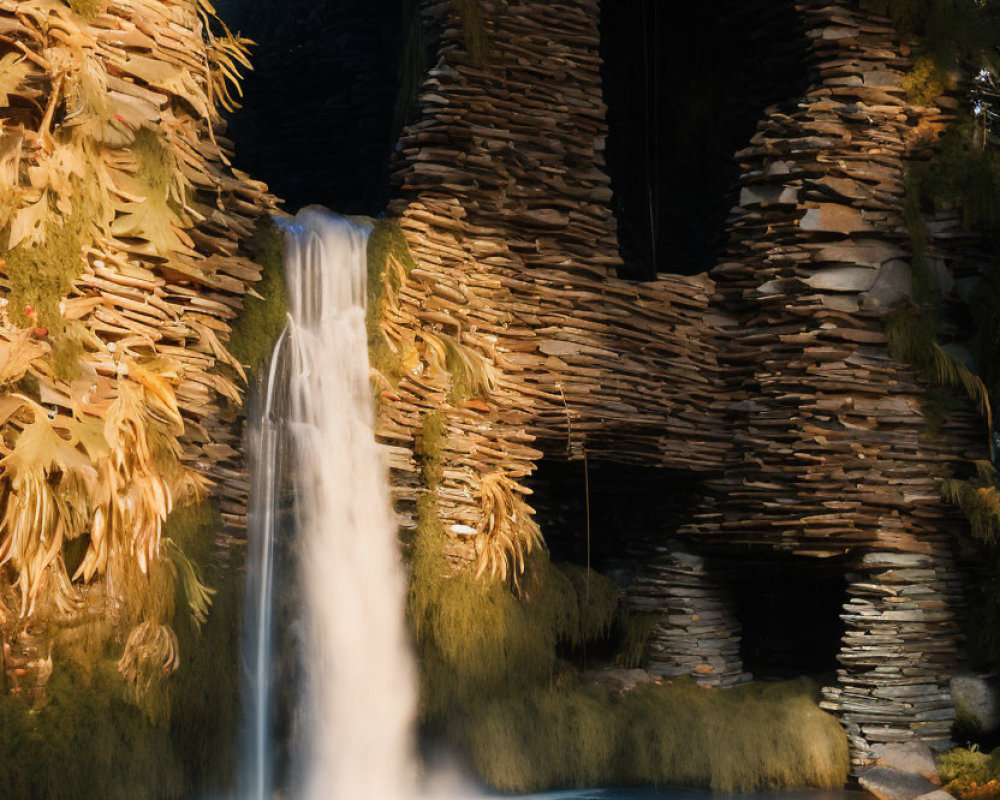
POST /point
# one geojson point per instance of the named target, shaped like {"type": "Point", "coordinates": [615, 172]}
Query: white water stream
{"type": "Point", "coordinates": [316, 426]}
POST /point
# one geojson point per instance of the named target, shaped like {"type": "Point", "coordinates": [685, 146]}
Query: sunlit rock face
{"type": "Point", "coordinates": [505, 326]}
{"type": "Point", "coordinates": [768, 380]}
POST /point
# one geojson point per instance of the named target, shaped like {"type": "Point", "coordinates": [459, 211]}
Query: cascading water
{"type": "Point", "coordinates": [315, 435]}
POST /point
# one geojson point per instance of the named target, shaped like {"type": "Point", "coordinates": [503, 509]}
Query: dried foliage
{"type": "Point", "coordinates": [979, 499]}
{"type": "Point", "coordinates": [121, 266]}
{"type": "Point", "coordinates": [150, 655]}
{"type": "Point", "coordinates": [911, 339]}
{"type": "Point", "coordinates": [506, 533]}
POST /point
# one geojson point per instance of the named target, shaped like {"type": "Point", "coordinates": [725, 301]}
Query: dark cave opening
{"type": "Point", "coordinates": [622, 507]}
{"type": "Point", "coordinates": [318, 122]}
{"type": "Point", "coordinates": [789, 609]}
{"type": "Point", "coordinates": [788, 606]}
{"type": "Point", "coordinates": [685, 85]}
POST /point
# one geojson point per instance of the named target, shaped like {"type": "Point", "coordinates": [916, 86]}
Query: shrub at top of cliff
{"type": "Point", "coordinates": [949, 30]}
{"type": "Point", "coordinates": [121, 266]}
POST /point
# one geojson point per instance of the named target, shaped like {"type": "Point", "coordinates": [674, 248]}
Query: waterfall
{"type": "Point", "coordinates": [314, 434]}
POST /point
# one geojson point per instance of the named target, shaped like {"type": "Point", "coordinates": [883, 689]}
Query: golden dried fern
{"type": "Point", "coordinates": [506, 532]}
{"type": "Point", "coordinates": [116, 208]}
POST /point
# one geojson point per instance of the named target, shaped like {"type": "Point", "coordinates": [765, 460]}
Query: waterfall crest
{"type": "Point", "coordinates": [314, 433]}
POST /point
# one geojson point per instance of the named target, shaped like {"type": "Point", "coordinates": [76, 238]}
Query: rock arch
{"type": "Point", "coordinates": [768, 377]}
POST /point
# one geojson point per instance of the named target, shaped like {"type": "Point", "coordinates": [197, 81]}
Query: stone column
{"type": "Point", "coordinates": [698, 633]}
{"type": "Point", "coordinates": [898, 653]}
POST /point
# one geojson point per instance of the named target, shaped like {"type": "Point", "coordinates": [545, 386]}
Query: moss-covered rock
{"type": "Point", "coordinates": [966, 771]}
{"type": "Point", "coordinates": [257, 329]}
{"type": "Point", "coordinates": [389, 261]}
{"type": "Point", "coordinates": [88, 737]}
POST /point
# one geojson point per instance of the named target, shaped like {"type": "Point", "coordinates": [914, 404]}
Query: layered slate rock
{"type": "Point", "coordinates": [503, 200]}
{"type": "Point", "coordinates": [832, 454]}
{"type": "Point", "coordinates": [698, 633]}
{"type": "Point", "coordinates": [770, 379]}
{"type": "Point", "coordinates": [893, 784]}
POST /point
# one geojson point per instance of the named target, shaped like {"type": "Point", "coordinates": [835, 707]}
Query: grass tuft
{"type": "Point", "coordinates": [757, 736]}
{"type": "Point", "coordinates": [965, 770]}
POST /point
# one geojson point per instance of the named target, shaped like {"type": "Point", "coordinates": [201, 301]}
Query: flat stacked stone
{"type": "Point", "coordinates": [770, 378]}
{"type": "Point", "coordinates": [698, 633]}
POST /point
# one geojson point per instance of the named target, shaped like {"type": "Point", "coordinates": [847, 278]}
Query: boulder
{"type": "Point", "coordinates": [977, 701]}
{"type": "Point", "coordinates": [893, 284]}
{"type": "Point", "coordinates": [913, 757]}
{"type": "Point", "coordinates": [887, 783]}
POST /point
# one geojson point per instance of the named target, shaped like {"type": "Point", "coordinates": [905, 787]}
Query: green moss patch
{"type": "Point", "coordinates": [257, 329]}
{"type": "Point", "coordinates": [428, 446]}
{"type": "Point", "coordinates": [387, 252]}
{"type": "Point", "coordinates": [476, 639]}
{"type": "Point", "coordinates": [965, 770]}
{"type": "Point", "coordinates": [41, 275]}
{"type": "Point", "coordinates": [88, 9]}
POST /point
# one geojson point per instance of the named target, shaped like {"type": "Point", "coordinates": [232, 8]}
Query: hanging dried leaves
{"type": "Point", "coordinates": [506, 531]}
{"type": "Point", "coordinates": [121, 267]}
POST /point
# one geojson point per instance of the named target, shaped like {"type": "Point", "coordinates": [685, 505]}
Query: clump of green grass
{"type": "Point", "coordinates": [758, 736]}
{"type": "Point", "coordinates": [597, 599]}
{"type": "Point", "coordinates": [965, 768]}
{"type": "Point", "coordinates": [86, 742]}
{"type": "Point", "coordinates": [494, 690]}
{"type": "Point", "coordinates": [257, 329]}
{"type": "Point", "coordinates": [634, 632]}
{"type": "Point", "coordinates": [477, 640]}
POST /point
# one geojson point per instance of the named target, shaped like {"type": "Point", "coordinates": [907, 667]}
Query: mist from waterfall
{"type": "Point", "coordinates": [319, 476]}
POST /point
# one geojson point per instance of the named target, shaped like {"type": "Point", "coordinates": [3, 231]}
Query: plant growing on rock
{"type": "Point", "coordinates": [121, 268]}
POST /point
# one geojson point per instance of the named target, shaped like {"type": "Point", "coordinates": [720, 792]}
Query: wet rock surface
{"type": "Point", "coordinates": [887, 783]}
